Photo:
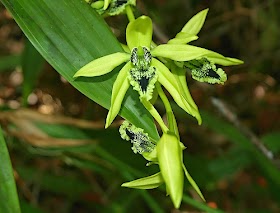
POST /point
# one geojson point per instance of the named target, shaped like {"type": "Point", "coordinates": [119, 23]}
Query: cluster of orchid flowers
{"type": "Point", "coordinates": [147, 67]}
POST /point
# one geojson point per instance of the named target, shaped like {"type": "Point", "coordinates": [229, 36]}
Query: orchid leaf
{"type": "Point", "coordinates": [69, 34]}
{"type": "Point", "coordinates": [139, 33]}
{"type": "Point", "coordinates": [8, 191]}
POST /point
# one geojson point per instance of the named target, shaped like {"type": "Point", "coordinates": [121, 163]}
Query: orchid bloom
{"type": "Point", "coordinates": [168, 154]}
{"type": "Point", "coordinates": [141, 70]}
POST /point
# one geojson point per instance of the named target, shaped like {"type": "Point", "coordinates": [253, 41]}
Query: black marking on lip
{"type": "Point", "coordinates": [213, 74]}
{"type": "Point", "coordinates": [119, 3]}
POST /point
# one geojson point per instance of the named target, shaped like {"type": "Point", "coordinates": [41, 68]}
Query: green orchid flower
{"type": "Point", "coordinates": [141, 70]}
{"type": "Point", "coordinates": [203, 67]}
{"type": "Point", "coordinates": [168, 154]}
{"type": "Point", "coordinates": [111, 7]}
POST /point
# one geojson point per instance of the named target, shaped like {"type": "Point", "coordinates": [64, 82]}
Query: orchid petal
{"type": "Point", "coordinates": [194, 25]}
{"type": "Point", "coordinates": [149, 182]}
{"type": "Point", "coordinates": [170, 163]}
{"type": "Point", "coordinates": [102, 65]}
{"type": "Point", "coordinates": [139, 32]}
{"type": "Point", "coordinates": [180, 75]}
{"type": "Point", "coordinates": [193, 183]}
{"type": "Point", "coordinates": [183, 39]}
{"type": "Point", "coordinates": [106, 4]}
{"type": "Point", "coordinates": [166, 78]}
{"type": "Point", "coordinates": [186, 52]}
{"type": "Point", "coordinates": [120, 87]}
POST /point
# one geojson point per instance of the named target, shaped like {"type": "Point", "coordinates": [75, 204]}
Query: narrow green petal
{"type": "Point", "coordinates": [102, 65]}
{"type": "Point", "coordinates": [170, 163]}
{"type": "Point", "coordinates": [183, 40]}
{"type": "Point", "coordinates": [106, 4]}
{"type": "Point", "coordinates": [139, 32]}
{"type": "Point", "coordinates": [120, 87]}
{"type": "Point", "coordinates": [225, 61]}
{"type": "Point", "coordinates": [149, 182]}
{"type": "Point", "coordinates": [194, 25]}
{"type": "Point", "coordinates": [180, 76]}
{"type": "Point", "coordinates": [125, 48]}
{"type": "Point", "coordinates": [193, 183]}
{"type": "Point", "coordinates": [187, 52]}
{"type": "Point", "coordinates": [179, 52]}
{"type": "Point", "coordinates": [166, 78]}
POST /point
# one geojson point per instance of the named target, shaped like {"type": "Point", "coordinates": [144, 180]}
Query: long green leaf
{"type": "Point", "coordinates": [9, 62]}
{"type": "Point", "coordinates": [8, 192]}
{"type": "Point", "coordinates": [69, 34]}
{"type": "Point", "coordinates": [32, 65]}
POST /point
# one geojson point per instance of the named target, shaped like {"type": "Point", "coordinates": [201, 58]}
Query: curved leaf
{"type": "Point", "coordinates": [8, 192]}
{"type": "Point", "coordinates": [69, 34]}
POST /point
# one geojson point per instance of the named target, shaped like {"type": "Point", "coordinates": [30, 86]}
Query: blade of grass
{"type": "Point", "coordinates": [32, 65]}
{"type": "Point", "coordinates": [200, 205]}
{"type": "Point", "coordinates": [235, 136]}
{"type": "Point", "coordinates": [8, 192]}
{"type": "Point", "coordinates": [69, 34]}
{"type": "Point", "coordinates": [9, 62]}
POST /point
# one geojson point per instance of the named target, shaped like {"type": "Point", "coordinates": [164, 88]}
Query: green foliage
{"type": "Point", "coordinates": [69, 46]}
{"type": "Point", "coordinates": [8, 191]}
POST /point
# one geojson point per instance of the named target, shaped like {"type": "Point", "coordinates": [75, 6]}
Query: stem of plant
{"type": "Point", "coordinates": [155, 114]}
{"type": "Point", "coordinates": [129, 13]}
{"type": "Point", "coordinates": [172, 124]}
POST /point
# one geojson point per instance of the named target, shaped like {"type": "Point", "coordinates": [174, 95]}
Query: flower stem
{"type": "Point", "coordinates": [129, 13]}
{"type": "Point", "coordinates": [172, 124]}
{"type": "Point", "coordinates": [155, 114]}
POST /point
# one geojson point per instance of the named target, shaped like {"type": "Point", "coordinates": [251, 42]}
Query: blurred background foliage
{"type": "Point", "coordinates": [64, 160]}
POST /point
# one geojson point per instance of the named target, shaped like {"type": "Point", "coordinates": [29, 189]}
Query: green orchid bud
{"type": "Point", "coordinates": [204, 70]}
{"type": "Point", "coordinates": [149, 182]}
{"type": "Point", "coordinates": [140, 140]}
{"type": "Point", "coordinates": [170, 163]}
